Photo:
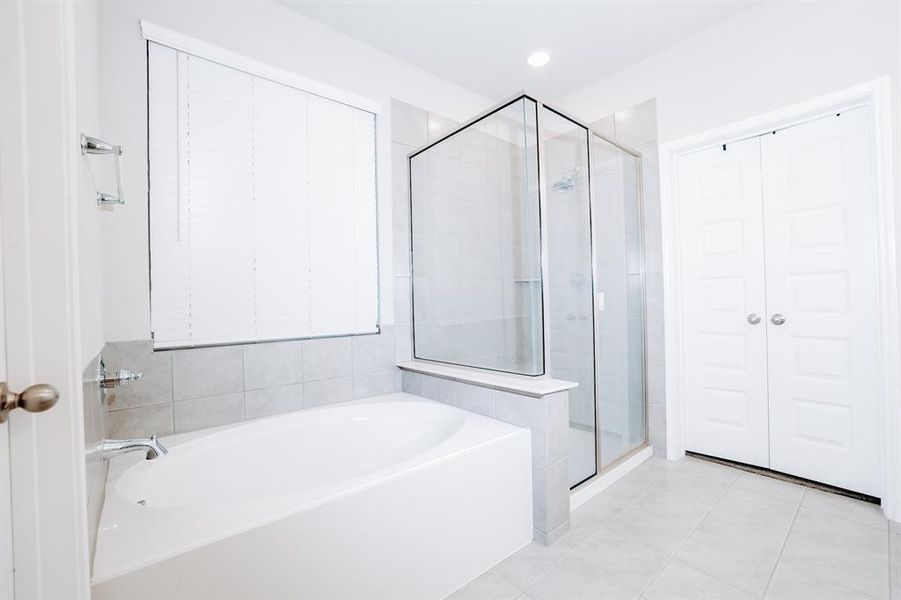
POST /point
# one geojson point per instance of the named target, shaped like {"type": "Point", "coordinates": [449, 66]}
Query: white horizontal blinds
{"type": "Point", "coordinates": [365, 217]}
{"type": "Point", "coordinates": [220, 208]}
{"type": "Point", "coordinates": [169, 259]}
{"type": "Point", "coordinates": [263, 225]}
{"type": "Point", "coordinates": [282, 200]}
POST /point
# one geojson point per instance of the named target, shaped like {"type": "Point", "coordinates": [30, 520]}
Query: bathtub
{"type": "Point", "coordinates": [390, 497]}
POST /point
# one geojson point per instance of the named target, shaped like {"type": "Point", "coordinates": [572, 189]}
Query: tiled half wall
{"type": "Point", "coordinates": [184, 390]}
{"type": "Point", "coordinates": [548, 419]}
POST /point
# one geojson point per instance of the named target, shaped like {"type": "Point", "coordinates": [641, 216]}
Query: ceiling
{"type": "Point", "coordinates": [483, 45]}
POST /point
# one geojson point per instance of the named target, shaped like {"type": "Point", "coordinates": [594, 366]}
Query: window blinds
{"type": "Point", "coordinates": [262, 208]}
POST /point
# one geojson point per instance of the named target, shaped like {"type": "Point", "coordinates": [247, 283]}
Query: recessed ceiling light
{"type": "Point", "coordinates": [539, 58]}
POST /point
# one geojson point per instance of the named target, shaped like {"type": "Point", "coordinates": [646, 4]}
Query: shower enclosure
{"type": "Point", "coordinates": [527, 259]}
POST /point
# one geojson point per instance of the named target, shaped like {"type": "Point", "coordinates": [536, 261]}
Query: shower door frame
{"type": "Point", "coordinates": [545, 281]}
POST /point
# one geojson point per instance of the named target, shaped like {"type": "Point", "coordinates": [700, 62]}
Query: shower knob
{"type": "Point", "coordinates": [753, 318]}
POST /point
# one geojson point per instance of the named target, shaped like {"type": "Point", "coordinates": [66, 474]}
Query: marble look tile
{"type": "Point", "coordinates": [734, 553]}
{"type": "Point", "coordinates": [579, 578]}
{"type": "Point", "coordinates": [767, 488]}
{"type": "Point", "coordinates": [399, 164]}
{"type": "Point", "coordinates": [207, 372]}
{"type": "Point", "coordinates": [637, 124]}
{"type": "Point", "coordinates": [618, 567]}
{"type": "Point", "coordinates": [488, 586]}
{"type": "Point", "coordinates": [794, 584]}
{"type": "Point", "coordinates": [273, 401]}
{"type": "Point", "coordinates": [895, 563]}
{"type": "Point", "coordinates": [402, 254]}
{"type": "Point", "coordinates": [155, 387]}
{"type": "Point", "coordinates": [375, 384]}
{"type": "Point", "coordinates": [475, 399]}
{"type": "Point", "coordinates": [605, 127]}
{"type": "Point", "coordinates": [546, 417]}
{"type": "Point", "coordinates": [202, 413]}
{"type": "Point", "coordinates": [810, 564]}
{"type": "Point", "coordinates": [679, 581]}
{"type": "Point", "coordinates": [327, 358]}
{"type": "Point", "coordinates": [272, 364]}
{"type": "Point", "coordinates": [140, 422]}
{"type": "Point", "coordinates": [440, 125]}
{"type": "Point", "coordinates": [327, 391]}
{"type": "Point", "coordinates": [373, 353]}
{"type": "Point", "coordinates": [409, 124]}
{"type": "Point", "coordinates": [842, 506]}
{"type": "Point", "coordinates": [412, 383]}
{"type": "Point", "coordinates": [403, 342]}
{"type": "Point", "coordinates": [403, 308]}
{"type": "Point", "coordinates": [661, 520]}
{"type": "Point", "coordinates": [550, 495]}
{"type": "Point", "coordinates": [529, 564]}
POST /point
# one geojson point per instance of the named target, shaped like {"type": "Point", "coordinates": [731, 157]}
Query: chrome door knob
{"type": "Point", "coordinates": [777, 319]}
{"type": "Point", "coordinates": [753, 318]}
{"type": "Point", "coordinates": [35, 398]}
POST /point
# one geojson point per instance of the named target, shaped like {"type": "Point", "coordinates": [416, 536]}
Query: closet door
{"type": "Point", "coordinates": [723, 303]}
{"type": "Point", "coordinates": [818, 191]}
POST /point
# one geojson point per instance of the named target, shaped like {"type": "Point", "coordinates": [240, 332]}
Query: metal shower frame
{"type": "Point", "coordinates": [545, 284]}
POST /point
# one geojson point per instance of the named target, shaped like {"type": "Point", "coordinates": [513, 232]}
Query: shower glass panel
{"type": "Point", "coordinates": [570, 290]}
{"type": "Point", "coordinates": [620, 287]}
{"type": "Point", "coordinates": [477, 281]}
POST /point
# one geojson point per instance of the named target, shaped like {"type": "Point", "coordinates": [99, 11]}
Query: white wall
{"type": "Point", "coordinates": [87, 120]}
{"type": "Point", "coordinates": [265, 31]}
{"type": "Point", "coordinates": [765, 58]}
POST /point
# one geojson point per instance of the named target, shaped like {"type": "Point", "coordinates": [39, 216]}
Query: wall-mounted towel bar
{"type": "Point", "coordinates": [92, 145]}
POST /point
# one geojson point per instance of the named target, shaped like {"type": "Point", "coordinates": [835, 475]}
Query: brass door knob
{"type": "Point", "coordinates": [35, 398]}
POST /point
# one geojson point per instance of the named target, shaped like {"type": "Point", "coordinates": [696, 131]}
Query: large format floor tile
{"type": "Point", "coordinates": [695, 530]}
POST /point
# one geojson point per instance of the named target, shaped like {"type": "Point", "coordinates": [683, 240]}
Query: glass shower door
{"type": "Point", "coordinates": [621, 305]}
{"type": "Point", "coordinates": [570, 290]}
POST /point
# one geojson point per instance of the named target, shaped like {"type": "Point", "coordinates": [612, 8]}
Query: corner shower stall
{"type": "Point", "coordinates": [526, 235]}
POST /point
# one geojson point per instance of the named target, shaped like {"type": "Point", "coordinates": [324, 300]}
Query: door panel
{"type": "Point", "coordinates": [818, 198]}
{"type": "Point", "coordinates": [723, 279]}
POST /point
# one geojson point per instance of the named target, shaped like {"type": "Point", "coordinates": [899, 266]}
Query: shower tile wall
{"type": "Point", "coordinates": [409, 129]}
{"type": "Point", "coordinates": [184, 390]}
{"type": "Point", "coordinates": [475, 304]}
{"type": "Point", "coordinates": [637, 127]}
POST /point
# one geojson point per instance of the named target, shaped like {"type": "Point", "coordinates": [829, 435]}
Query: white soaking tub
{"type": "Point", "coordinates": [390, 497]}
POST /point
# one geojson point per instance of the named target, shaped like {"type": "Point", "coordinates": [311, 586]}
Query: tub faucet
{"type": "Point", "coordinates": [151, 446]}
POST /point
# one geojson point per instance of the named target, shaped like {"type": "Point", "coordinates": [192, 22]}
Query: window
{"type": "Point", "coordinates": [262, 207]}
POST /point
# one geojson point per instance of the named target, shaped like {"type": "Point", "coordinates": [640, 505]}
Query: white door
{"type": "Point", "coordinates": [39, 236]}
{"type": "Point", "coordinates": [723, 282]}
{"type": "Point", "coordinates": [819, 203]}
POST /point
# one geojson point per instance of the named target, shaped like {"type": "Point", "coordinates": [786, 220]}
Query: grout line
{"type": "Point", "coordinates": [891, 590]}
{"type": "Point", "coordinates": [687, 539]}
{"type": "Point", "coordinates": [844, 518]}
{"type": "Point", "coordinates": [791, 527]}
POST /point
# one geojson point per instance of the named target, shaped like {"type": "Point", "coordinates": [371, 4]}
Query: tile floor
{"type": "Point", "coordinates": [696, 530]}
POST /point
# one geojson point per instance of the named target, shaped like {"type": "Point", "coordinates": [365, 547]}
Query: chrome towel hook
{"type": "Point", "coordinates": [92, 145]}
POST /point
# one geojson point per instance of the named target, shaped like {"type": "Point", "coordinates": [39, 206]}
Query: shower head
{"type": "Point", "coordinates": [568, 180]}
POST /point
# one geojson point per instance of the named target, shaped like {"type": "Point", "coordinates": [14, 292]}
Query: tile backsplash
{"type": "Point", "coordinates": [184, 390]}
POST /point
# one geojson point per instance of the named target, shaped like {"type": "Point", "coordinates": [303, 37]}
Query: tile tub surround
{"type": "Point", "coordinates": [693, 529]}
{"type": "Point", "coordinates": [184, 390]}
{"type": "Point", "coordinates": [94, 429]}
{"type": "Point", "coordinates": [545, 415]}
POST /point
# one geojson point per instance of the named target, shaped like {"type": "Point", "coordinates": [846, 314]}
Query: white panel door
{"type": "Point", "coordinates": [723, 281]}
{"type": "Point", "coordinates": [818, 198]}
